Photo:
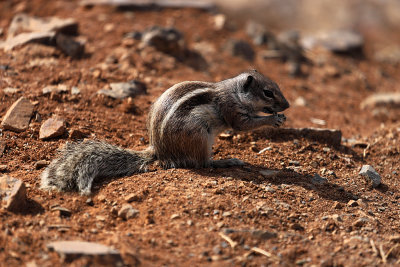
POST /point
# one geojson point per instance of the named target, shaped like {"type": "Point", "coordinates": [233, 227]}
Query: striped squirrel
{"type": "Point", "coordinates": [182, 125]}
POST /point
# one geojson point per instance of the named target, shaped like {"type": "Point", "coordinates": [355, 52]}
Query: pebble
{"type": "Point", "coordinates": [167, 40]}
{"type": "Point", "coordinates": [133, 197]}
{"type": "Point", "coordinates": [318, 180]}
{"type": "Point", "coordinates": [263, 234]}
{"type": "Point", "coordinates": [352, 203]}
{"type": "Point", "coordinates": [360, 222]}
{"type": "Point", "coordinates": [389, 100]}
{"type": "Point", "coordinates": [63, 212]}
{"type": "Point", "coordinates": [338, 41]}
{"type": "Point", "coordinates": [25, 38]}
{"type": "Point", "coordinates": [368, 172]}
{"type": "Point", "coordinates": [124, 90]}
{"type": "Point", "coordinates": [55, 89]}
{"type": "Point", "coordinates": [26, 23]}
{"type": "Point", "coordinates": [41, 163]}
{"type": "Point", "coordinates": [18, 116]}
{"type": "Point", "coordinates": [300, 102]}
{"type": "Point", "coordinates": [69, 46]}
{"type": "Point", "coordinates": [127, 212]}
{"type": "Point", "coordinates": [11, 90]}
{"type": "Point", "coordinates": [52, 127]}
{"type": "Point", "coordinates": [75, 90]}
{"type": "Point", "coordinates": [337, 205]}
{"type": "Point", "coordinates": [294, 162]}
{"type": "Point", "coordinates": [240, 48]}
{"type": "Point", "coordinates": [12, 193]}
{"type": "Point", "coordinates": [175, 216]}
{"type": "Point", "coordinates": [89, 202]}
{"type": "Point", "coordinates": [70, 250]}
{"type": "Point", "coordinates": [3, 168]}
{"type": "Point", "coordinates": [226, 214]}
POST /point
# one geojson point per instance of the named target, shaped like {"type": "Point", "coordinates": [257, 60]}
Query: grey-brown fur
{"type": "Point", "coordinates": [182, 125]}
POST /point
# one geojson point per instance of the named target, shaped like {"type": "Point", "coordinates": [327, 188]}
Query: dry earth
{"type": "Point", "coordinates": [188, 217]}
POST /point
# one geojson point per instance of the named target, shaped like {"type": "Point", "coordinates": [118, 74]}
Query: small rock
{"type": "Point", "coordinates": [337, 205]}
{"type": "Point", "coordinates": [226, 214]}
{"type": "Point", "coordinates": [369, 172]}
{"type": "Point", "coordinates": [294, 162]}
{"type": "Point", "coordinates": [339, 41]}
{"type": "Point", "coordinates": [18, 116]}
{"type": "Point", "coordinates": [25, 23]}
{"type": "Point", "coordinates": [225, 136]}
{"type": "Point", "coordinates": [127, 212]}
{"type": "Point", "coordinates": [264, 235]}
{"type": "Point", "coordinates": [26, 38]}
{"type": "Point", "coordinates": [389, 100]}
{"type": "Point", "coordinates": [219, 21]}
{"type": "Point", "coordinates": [41, 163]}
{"type": "Point", "coordinates": [390, 54]}
{"type": "Point", "coordinates": [175, 216]}
{"type": "Point", "coordinates": [69, 46]}
{"type": "Point", "coordinates": [240, 48]}
{"type": "Point", "coordinates": [360, 222]}
{"type": "Point", "coordinates": [90, 202]}
{"type": "Point", "coordinates": [56, 89]}
{"type": "Point", "coordinates": [167, 40]}
{"type": "Point", "coordinates": [12, 193]}
{"type": "Point", "coordinates": [51, 128]}
{"type": "Point", "coordinates": [75, 90]}
{"type": "Point", "coordinates": [318, 179]}
{"type": "Point", "coordinates": [63, 212]}
{"type": "Point", "coordinates": [10, 90]}
{"type": "Point", "coordinates": [124, 90]}
{"type": "Point", "coordinates": [3, 168]}
{"type": "Point", "coordinates": [134, 197]}
{"type": "Point", "coordinates": [297, 226]}
{"type": "Point", "coordinates": [352, 203]}
{"type": "Point", "coordinates": [259, 34]}
{"type": "Point", "coordinates": [73, 249]}
{"type": "Point", "coordinates": [300, 102]}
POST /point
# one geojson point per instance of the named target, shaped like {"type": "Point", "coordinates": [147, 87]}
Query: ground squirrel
{"type": "Point", "coordinates": [182, 125]}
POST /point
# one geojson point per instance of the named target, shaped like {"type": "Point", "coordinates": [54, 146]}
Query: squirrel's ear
{"type": "Point", "coordinates": [247, 83]}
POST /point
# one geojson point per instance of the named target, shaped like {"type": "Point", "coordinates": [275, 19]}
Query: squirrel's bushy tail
{"type": "Point", "coordinates": [79, 164]}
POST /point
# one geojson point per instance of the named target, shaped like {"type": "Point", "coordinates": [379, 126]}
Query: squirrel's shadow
{"type": "Point", "coordinates": [251, 173]}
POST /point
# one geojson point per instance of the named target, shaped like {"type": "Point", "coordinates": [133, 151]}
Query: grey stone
{"type": "Point", "coordinates": [240, 48]}
{"type": "Point", "coordinates": [11, 90]}
{"type": "Point", "coordinates": [339, 41]}
{"type": "Point", "coordinates": [58, 89]}
{"type": "Point", "coordinates": [127, 212]}
{"type": "Point", "coordinates": [167, 40]}
{"type": "Point", "coordinates": [258, 33]}
{"type": "Point", "coordinates": [318, 179]}
{"type": "Point", "coordinates": [52, 127]}
{"type": "Point", "coordinates": [18, 116]}
{"type": "Point", "coordinates": [389, 100]}
{"type": "Point", "coordinates": [71, 250]}
{"type": "Point", "coordinates": [124, 90]}
{"type": "Point", "coordinates": [12, 193]}
{"type": "Point", "coordinates": [69, 46]}
{"type": "Point", "coordinates": [26, 38]}
{"type": "Point", "coordinates": [25, 23]}
{"type": "Point", "coordinates": [369, 173]}
{"type": "Point", "coordinates": [264, 235]}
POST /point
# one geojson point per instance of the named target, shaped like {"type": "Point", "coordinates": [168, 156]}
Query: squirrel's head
{"type": "Point", "coordinates": [263, 94]}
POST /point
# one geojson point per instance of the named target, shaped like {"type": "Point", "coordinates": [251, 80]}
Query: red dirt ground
{"type": "Point", "coordinates": [183, 212]}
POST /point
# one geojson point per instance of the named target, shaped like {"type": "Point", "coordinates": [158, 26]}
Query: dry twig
{"type": "Point", "coordinates": [265, 253]}
{"type": "Point", "coordinates": [228, 239]}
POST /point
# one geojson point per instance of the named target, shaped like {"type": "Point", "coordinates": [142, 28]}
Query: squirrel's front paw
{"type": "Point", "coordinates": [279, 119]}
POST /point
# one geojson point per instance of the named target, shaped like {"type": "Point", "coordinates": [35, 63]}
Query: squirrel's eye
{"type": "Point", "coordinates": [268, 93]}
